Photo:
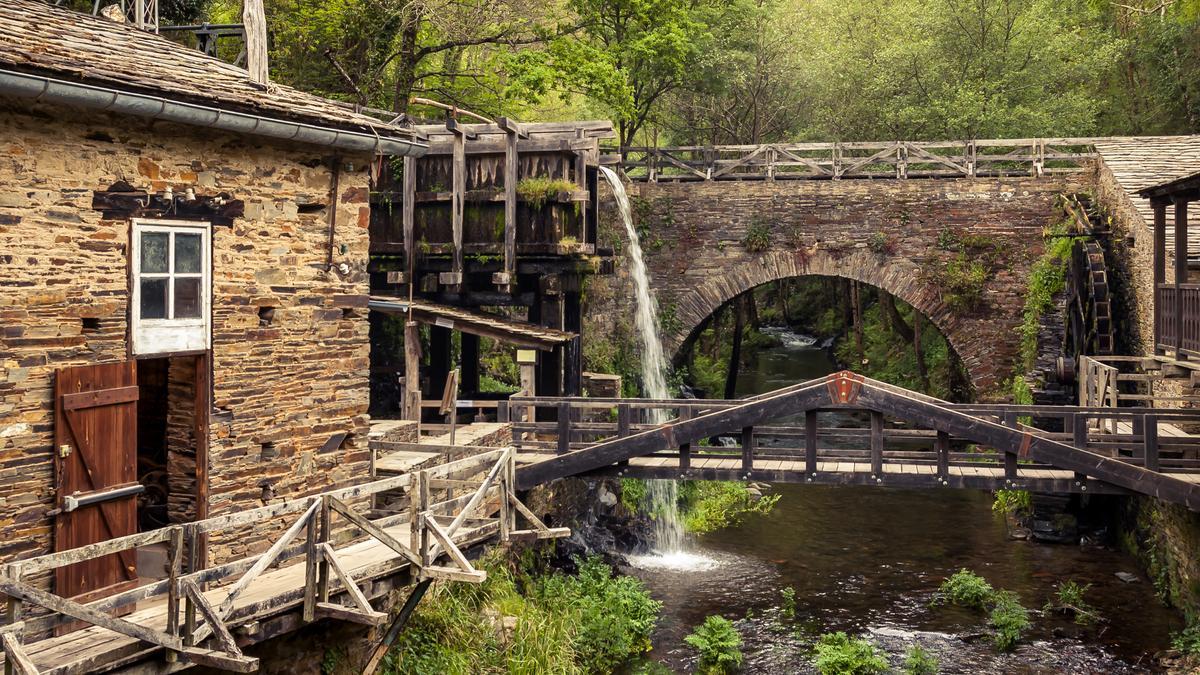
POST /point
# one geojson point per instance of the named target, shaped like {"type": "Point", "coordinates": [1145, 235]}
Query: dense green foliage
{"type": "Point", "coordinates": [709, 505]}
{"type": "Point", "coordinates": [749, 71]}
{"type": "Point", "coordinates": [1187, 640]}
{"type": "Point", "coordinates": [840, 654]}
{"type": "Point", "coordinates": [718, 644]}
{"type": "Point", "coordinates": [1047, 278]}
{"type": "Point", "coordinates": [583, 623]}
{"type": "Point", "coordinates": [1009, 620]}
{"type": "Point", "coordinates": [966, 589]}
{"type": "Point", "coordinates": [1006, 616]}
{"type": "Point", "coordinates": [918, 661]}
{"type": "Point", "coordinates": [1012, 502]}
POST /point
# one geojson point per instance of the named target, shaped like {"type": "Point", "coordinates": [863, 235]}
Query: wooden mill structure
{"type": "Point", "coordinates": [491, 232]}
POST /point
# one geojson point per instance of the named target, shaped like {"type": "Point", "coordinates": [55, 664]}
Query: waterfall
{"type": "Point", "coordinates": [662, 494]}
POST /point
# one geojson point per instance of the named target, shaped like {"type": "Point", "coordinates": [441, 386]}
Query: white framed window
{"type": "Point", "coordinates": [171, 286]}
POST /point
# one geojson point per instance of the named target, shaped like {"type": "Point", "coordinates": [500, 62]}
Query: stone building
{"type": "Point", "coordinates": [183, 289]}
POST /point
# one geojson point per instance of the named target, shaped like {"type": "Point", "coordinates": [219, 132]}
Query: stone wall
{"type": "Point", "coordinates": [884, 233]}
{"type": "Point", "coordinates": [280, 388]}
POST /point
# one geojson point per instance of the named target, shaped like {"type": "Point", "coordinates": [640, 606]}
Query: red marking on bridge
{"type": "Point", "coordinates": [845, 386]}
{"type": "Point", "coordinates": [1026, 441]}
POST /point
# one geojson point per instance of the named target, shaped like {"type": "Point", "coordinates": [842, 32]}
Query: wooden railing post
{"type": "Point", "coordinates": [747, 451]}
{"type": "Point", "coordinates": [1150, 440]}
{"type": "Point", "coordinates": [12, 613]}
{"type": "Point", "coordinates": [810, 444]}
{"type": "Point", "coordinates": [1079, 438]}
{"type": "Point", "coordinates": [189, 609]}
{"type": "Point", "coordinates": [876, 446]}
{"type": "Point", "coordinates": [506, 492]}
{"type": "Point", "coordinates": [1010, 458]}
{"type": "Point", "coordinates": [564, 427]}
{"type": "Point", "coordinates": [174, 563]}
{"type": "Point", "coordinates": [311, 558]}
{"type": "Point", "coordinates": [685, 449]}
{"type": "Point", "coordinates": [942, 446]}
{"type": "Point", "coordinates": [419, 512]}
{"type": "Point", "coordinates": [322, 563]}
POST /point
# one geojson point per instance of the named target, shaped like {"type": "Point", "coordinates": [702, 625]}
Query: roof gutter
{"type": "Point", "coordinates": [50, 90]}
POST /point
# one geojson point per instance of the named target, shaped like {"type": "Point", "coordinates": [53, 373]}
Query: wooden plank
{"type": "Point", "coordinates": [15, 659]}
{"type": "Point", "coordinates": [88, 615]}
{"type": "Point", "coordinates": [214, 621]}
{"type": "Point", "coordinates": [254, 30]}
{"type": "Point", "coordinates": [219, 660]}
{"type": "Point", "coordinates": [329, 610]}
{"type": "Point", "coordinates": [99, 397]}
{"type": "Point", "coordinates": [348, 582]}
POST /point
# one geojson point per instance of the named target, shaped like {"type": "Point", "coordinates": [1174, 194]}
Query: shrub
{"type": "Point", "coordinates": [711, 505]}
{"type": "Point", "coordinates": [966, 589]}
{"type": "Point", "coordinates": [538, 190]}
{"type": "Point", "coordinates": [633, 494]}
{"type": "Point", "coordinates": [1068, 599]}
{"type": "Point", "coordinates": [719, 645]}
{"type": "Point", "coordinates": [839, 654]}
{"type": "Point", "coordinates": [1012, 502]}
{"type": "Point", "coordinates": [1047, 278]}
{"type": "Point", "coordinates": [758, 237]}
{"type": "Point", "coordinates": [881, 244]}
{"type": "Point", "coordinates": [563, 624]}
{"type": "Point", "coordinates": [788, 608]}
{"type": "Point", "coordinates": [918, 661]}
{"type": "Point", "coordinates": [1187, 640]}
{"type": "Point", "coordinates": [1008, 619]}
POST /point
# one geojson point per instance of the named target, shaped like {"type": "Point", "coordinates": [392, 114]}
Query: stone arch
{"type": "Point", "coordinates": [975, 344]}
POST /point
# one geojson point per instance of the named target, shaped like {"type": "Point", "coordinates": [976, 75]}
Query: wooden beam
{"type": "Point", "coordinates": [330, 610]}
{"type": "Point", "coordinates": [375, 531]}
{"type": "Point", "coordinates": [254, 21]}
{"type": "Point", "coordinates": [15, 655]}
{"type": "Point", "coordinates": [86, 614]}
{"type": "Point", "coordinates": [214, 621]}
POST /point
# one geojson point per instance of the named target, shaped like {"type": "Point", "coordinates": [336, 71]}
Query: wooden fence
{"type": "Point", "coordinates": [193, 615]}
{"type": "Point", "coordinates": [895, 159]}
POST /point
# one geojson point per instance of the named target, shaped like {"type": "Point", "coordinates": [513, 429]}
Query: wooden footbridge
{"type": "Point", "coordinates": [845, 429]}
{"type": "Point", "coordinates": [332, 555]}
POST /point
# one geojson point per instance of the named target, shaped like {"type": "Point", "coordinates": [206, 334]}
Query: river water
{"type": "Point", "coordinates": [868, 560]}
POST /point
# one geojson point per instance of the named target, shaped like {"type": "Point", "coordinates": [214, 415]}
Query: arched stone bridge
{"type": "Point", "coordinates": [707, 242]}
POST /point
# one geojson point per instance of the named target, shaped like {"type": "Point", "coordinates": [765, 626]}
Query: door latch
{"type": "Point", "coordinates": [64, 450]}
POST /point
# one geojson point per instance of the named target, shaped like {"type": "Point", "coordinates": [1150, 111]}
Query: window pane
{"type": "Point", "coordinates": [187, 298]}
{"type": "Point", "coordinates": [154, 252]}
{"type": "Point", "coordinates": [187, 253]}
{"type": "Point", "coordinates": [154, 298]}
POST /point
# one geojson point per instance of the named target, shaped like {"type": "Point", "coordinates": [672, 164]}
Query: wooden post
{"type": "Point", "coordinates": [408, 220]}
{"type": "Point", "coordinates": [174, 563]}
{"type": "Point", "coordinates": [564, 427]}
{"type": "Point", "coordinates": [1079, 434]}
{"type": "Point", "coordinates": [189, 609]}
{"type": "Point", "coordinates": [942, 446]}
{"type": "Point", "coordinates": [323, 563]}
{"type": "Point", "coordinates": [511, 176]}
{"type": "Point", "coordinates": [458, 195]}
{"type": "Point", "coordinates": [810, 443]}
{"type": "Point", "coordinates": [685, 449]}
{"type": "Point", "coordinates": [254, 21]}
{"type": "Point", "coordinates": [877, 446]}
{"type": "Point", "coordinates": [418, 518]}
{"type": "Point", "coordinates": [1010, 458]}
{"type": "Point", "coordinates": [1181, 238]}
{"type": "Point", "coordinates": [311, 556]}
{"type": "Point", "coordinates": [1150, 440]}
{"type": "Point", "coordinates": [12, 614]}
{"type": "Point", "coordinates": [412, 372]}
{"type": "Point", "coordinates": [505, 479]}
{"type": "Point", "coordinates": [573, 353]}
{"type": "Point", "coordinates": [747, 451]}
{"type": "Point", "coordinates": [468, 361]}
{"type": "Point", "coordinates": [1160, 268]}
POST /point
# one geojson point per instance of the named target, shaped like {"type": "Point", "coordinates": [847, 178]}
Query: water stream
{"type": "Point", "coordinates": [868, 561]}
{"type": "Point", "coordinates": [663, 495]}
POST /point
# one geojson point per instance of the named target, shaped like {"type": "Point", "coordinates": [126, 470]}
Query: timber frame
{"type": "Point", "coordinates": [934, 443]}
{"type": "Point", "coordinates": [338, 556]}
{"type": "Point", "coordinates": [1177, 300]}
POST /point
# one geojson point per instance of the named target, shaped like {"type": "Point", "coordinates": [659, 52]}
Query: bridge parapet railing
{"type": "Point", "coordinates": [891, 159]}
{"type": "Point", "coordinates": [1141, 436]}
{"type": "Point", "coordinates": [193, 615]}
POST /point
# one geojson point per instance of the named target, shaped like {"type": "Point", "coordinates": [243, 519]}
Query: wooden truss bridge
{"type": "Point", "coordinates": [331, 556]}
{"type": "Point", "coordinates": [845, 429]}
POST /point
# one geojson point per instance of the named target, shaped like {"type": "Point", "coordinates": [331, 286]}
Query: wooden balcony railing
{"type": "Point", "coordinates": [1177, 318]}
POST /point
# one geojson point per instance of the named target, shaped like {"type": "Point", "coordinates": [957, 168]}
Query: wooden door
{"type": "Point", "coordinates": [95, 447]}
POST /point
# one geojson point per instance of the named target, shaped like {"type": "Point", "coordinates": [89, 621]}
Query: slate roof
{"type": "Point", "coordinates": [39, 39]}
